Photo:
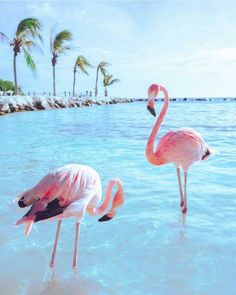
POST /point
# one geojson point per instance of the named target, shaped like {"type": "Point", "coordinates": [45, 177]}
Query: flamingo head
{"type": "Point", "coordinates": [118, 200]}
{"type": "Point", "coordinates": [153, 91]}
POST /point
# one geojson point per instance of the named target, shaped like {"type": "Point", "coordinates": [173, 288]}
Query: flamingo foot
{"type": "Point", "coordinates": [184, 211]}
{"type": "Point", "coordinates": [181, 203]}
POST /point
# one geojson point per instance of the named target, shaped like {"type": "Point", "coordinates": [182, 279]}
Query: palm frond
{"type": "Point", "coordinates": [52, 36]}
{"type": "Point", "coordinates": [4, 38]}
{"type": "Point", "coordinates": [29, 27]}
{"type": "Point", "coordinates": [29, 44]}
{"type": "Point", "coordinates": [60, 39]}
{"type": "Point", "coordinates": [64, 49]}
{"type": "Point", "coordinates": [107, 81]}
{"type": "Point", "coordinates": [29, 60]}
{"type": "Point", "coordinates": [51, 41]}
{"type": "Point", "coordinates": [102, 66]}
{"type": "Point", "coordinates": [113, 81]}
{"type": "Point", "coordinates": [82, 63]}
{"type": "Point", "coordinates": [84, 71]}
{"type": "Point", "coordinates": [82, 60]}
{"type": "Point", "coordinates": [104, 72]}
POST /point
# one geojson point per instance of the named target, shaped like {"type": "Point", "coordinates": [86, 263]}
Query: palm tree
{"type": "Point", "coordinates": [58, 45]}
{"type": "Point", "coordinates": [107, 81]}
{"type": "Point", "coordinates": [80, 64]}
{"type": "Point", "coordinates": [27, 31]}
{"type": "Point", "coordinates": [101, 67]}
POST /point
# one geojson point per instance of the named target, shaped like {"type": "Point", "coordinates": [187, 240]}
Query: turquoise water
{"type": "Point", "coordinates": [148, 248]}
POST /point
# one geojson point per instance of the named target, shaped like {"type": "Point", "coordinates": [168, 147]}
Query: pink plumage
{"type": "Point", "coordinates": [69, 191]}
{"type": "Point", "coordinates": [182, 147]}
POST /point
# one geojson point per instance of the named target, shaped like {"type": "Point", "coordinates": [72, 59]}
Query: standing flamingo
{"type": "Point", "coordinates": [182, 147]}
{"type": "Point", "coordinates": [68, 192]}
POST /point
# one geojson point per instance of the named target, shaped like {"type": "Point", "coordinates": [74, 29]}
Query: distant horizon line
{"type": "Point", "coordinates": [87, 96]}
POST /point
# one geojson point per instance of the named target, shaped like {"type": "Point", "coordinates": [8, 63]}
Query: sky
{"type": "Point", "coordinates": [187, 46]}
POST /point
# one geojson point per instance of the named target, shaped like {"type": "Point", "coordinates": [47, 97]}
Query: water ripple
{"type": "Point", "coordinates": [148, 248]}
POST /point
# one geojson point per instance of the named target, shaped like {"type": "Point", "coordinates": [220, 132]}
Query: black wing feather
{"type": "Point", "coordinates": [53, 208]}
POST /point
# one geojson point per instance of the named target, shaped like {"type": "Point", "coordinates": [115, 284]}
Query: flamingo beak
{"type": "Point", "coordinates": [106, 217]}
{"type": "Point", "coordinates": [153, 91]}
{"type": "Point", "coordinates": [151, 110]}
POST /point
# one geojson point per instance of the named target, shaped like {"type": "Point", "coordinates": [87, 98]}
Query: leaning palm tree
{"type": "Point", "coordinates": [24, 39]}
{"type": "Point", "coordinates": [107, 81]}
{"type": "Point", "coordinates": [58, 45]}
{"type": "Point", "coordinates": [101, 67]}
{"type": "Point", "coordinates": [81, 65]}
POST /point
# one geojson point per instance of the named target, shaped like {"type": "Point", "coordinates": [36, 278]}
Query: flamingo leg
{"type": "Point", "coordinates": [75, 258]}
{"type": "Point", "coordinates": [55, 244]}
{"type": "Point", "coordinates": [185, 194]}
{"type": "Point", "coordinates": [180, 188]}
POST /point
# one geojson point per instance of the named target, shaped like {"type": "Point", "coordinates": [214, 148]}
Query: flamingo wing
{"type": "Point", "coordinates": [183, 146]}
{"type": "Point", "coordinates": [52, 209]}
{"type": "Point", "coordinates": [49, 188]}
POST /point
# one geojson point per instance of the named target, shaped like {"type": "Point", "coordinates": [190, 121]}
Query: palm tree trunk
{"type": "Point", "coordinates": [74, 82]}
{"type": "Point", "coordinates": [106, 94]}
{"type": "Point", "coordinates": [96, 84]}
{"type": "Point", "coordinates": [54, 80]}
{"type": "Point", "coordinates": [15, 76]}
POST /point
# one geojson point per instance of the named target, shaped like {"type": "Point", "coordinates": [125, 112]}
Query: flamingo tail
{"type": "Point", "coordinates": [209, 151]}
{"type": "Point", "coordinates": [28, 227]}
{"type": "Point", "coordinates": [28, 224]}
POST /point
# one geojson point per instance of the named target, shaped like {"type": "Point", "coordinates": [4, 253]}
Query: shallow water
{"type": "Point", "coordinates": [148, 248]}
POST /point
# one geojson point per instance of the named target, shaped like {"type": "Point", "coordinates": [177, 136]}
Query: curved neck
{"type": "Point", "coordinates": [150, 154]}
{"type": "Point", "coordinates": [101, 209]}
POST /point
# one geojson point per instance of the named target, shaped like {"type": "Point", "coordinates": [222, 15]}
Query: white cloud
{"type": "Point", "coordinates": [40, 9]}
{"type": "Point", "coordinates": [173, 43]}
{"type": "Point", "coordinates": [205, 60]}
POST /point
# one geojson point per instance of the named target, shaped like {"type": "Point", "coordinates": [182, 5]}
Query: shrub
{"type": "Point", "coordinates": [8, 85]}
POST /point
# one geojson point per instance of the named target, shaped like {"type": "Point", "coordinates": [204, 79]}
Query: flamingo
{"type": "Point", "coordinates": [182, 147]}
{"type": "Point", "coordinates": [69, 191]}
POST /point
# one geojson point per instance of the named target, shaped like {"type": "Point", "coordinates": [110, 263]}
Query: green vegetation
{"type": "Point", "coordinates": [102, 68]}
{"type": "Point", "coordinates": [8, 85]}
{"type": "Point", "coordinates": [108, 81]}
{"type": "Point", "coordinates": [27, 31]}
{"type": "Point", "coordinates": [81, 65]}
{"type": "Point", "coordinates": [59, 44]}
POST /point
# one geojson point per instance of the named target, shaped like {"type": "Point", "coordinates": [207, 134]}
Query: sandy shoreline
{"type": "Point", "coordinates": [12, 104]}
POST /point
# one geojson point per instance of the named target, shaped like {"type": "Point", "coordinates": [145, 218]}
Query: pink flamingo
{"type": "Point", "coordinates": [68, 192]}
{"type": "Point", "coordinates": [182, 147]}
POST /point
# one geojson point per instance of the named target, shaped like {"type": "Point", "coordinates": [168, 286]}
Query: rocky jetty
{"type": "Point", "coordinates": [11, 104]}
